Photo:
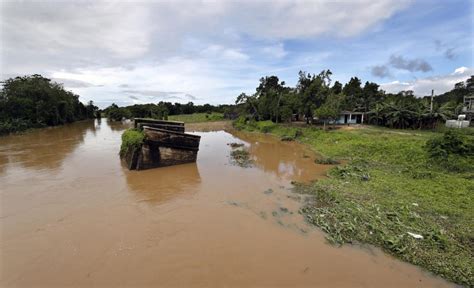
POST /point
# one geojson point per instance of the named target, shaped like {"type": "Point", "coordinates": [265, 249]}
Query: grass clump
{"type": "Point", "coordinates": [234, 145]}
{"type": "Point", "coordinates": [393, 185]}
{"type": "Point", "coordinates": [131, 139]}
{"type": "Point", "coordinates": [326, 161]}
{"type": "Point", "coordinates": [241, 157]}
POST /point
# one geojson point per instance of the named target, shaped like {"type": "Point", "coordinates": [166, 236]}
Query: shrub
{"type": "Point", "coordinates": [239, 123]}
{"type": "Point", "coordinates": [453, 151]}
{"type": "Point", "coordinates": [14, 125]}
{"type": "Point", "coordinates": [451, 142]}
{"type": "Point", "coordinates": [131, 139]}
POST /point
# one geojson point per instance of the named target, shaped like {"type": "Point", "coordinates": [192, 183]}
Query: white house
{"type": "Point", "coordinates": [350, 117]}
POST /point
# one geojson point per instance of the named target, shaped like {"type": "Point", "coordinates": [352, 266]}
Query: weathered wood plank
{"type": "Point", "coordinates": [153, 156]}
{"type": "Point", "coordinates": [155, 121]}
{"type": "Point", "coordinates": [176, 128]}
{"type": "Point", "coordinates": [171, 139]}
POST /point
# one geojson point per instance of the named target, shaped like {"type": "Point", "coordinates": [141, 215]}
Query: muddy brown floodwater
{"type": "Point", "coordinates": [72, 215]}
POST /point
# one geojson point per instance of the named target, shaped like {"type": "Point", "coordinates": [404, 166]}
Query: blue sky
{"type": "Point", "coordinates": [211, 51]}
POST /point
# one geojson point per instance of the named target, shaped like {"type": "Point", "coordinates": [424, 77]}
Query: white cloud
{"type": "Point", "coordinates": [196, 79]}
{"type": "Point", "coordinates": [423, 86]}
{"type": "Point", "coordinates": [302, 19]}
{"type": "Point", "coordinates": [218, 51]}
{"type": "Point", "coordinates": [59, 34]}
{"type": "Point", "coordinates": [275, 51]}
{"type": "Point", "coordinates": [97, 47]}
{"type": "Point", "coordinates": [460, 71]}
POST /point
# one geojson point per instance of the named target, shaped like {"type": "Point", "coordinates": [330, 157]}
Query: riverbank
{"type": "Point", "coordinates": [388, 194]}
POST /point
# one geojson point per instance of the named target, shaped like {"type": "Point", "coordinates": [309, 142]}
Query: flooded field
{"type": "Point", "coordinates": [72, 215]}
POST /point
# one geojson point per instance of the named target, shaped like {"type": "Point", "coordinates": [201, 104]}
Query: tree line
{"type": "Point", "coordinates": [315, 98]}
{"type": "Point", "coordinates": [35, 101]}
{"type": "Point", "coordinates": [160, 110]}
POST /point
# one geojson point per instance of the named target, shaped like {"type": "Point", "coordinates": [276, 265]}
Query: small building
{"type": "Point", "coordinates": [468, 103]}
{"type": "Point", "coordinates": [468, 108]}
{"type": "Point", "coordinates": [350, 117]}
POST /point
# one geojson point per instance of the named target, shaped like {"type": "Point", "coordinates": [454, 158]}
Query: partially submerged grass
{"type": "Point", "coordinates": [326, 161]}
{"type": "Point", "coordinates": [391, 194]}
{"type": "Point", "coordinates": [241, 157]}
{"type": "Point", "coordinates": [234, 145]}
{"type": "Point", "coordinates": [131, 139]}
{"type": "Point", "coordinates": [197, 117]}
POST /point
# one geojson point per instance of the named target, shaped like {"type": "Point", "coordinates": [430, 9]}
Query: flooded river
{"type": "Point", "coordinates": [72, 215]}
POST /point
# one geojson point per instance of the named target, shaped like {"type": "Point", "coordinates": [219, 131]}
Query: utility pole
{"type": "Point", "coordinates": [431, 105]}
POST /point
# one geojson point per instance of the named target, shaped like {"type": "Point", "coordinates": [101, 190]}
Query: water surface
{"type": "Point", "coordinates": [73, 215]}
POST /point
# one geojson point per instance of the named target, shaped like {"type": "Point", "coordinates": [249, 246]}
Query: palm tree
{"type": "Point", "coordinates": [441, 113]}
{"type": "Point", "coordinates": [421, 112]}
{"type": "Point", "coordinates": [399, 114]}
{"type": "Point", "coordinates": [378, 113]}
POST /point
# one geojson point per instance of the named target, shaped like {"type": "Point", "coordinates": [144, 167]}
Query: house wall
{"type": "Point", "coordinates": [341, 118]}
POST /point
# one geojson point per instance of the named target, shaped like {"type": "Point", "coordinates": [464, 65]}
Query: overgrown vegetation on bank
{"type": "Point", "coordinates": [34, 101]}
{"type": "Point", "coordinates": [197, 117]}
{"type": "Point", "coordinates": [132, 139]}
{"type": "Point", "coordinates": [394, 191]}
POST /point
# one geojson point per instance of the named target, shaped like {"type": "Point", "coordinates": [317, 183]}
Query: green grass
{"type": "Point", "coordinates": [131, 139]}
{"type": "Point", "coordinates": [387, 188]}
{"type": "Point", "coordinates": [197, 117]}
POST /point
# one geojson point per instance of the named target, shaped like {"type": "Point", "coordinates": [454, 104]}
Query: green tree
{"type": "Point", "coordinates": [36, 101]}
{"type": "Point", "coordinates": [353, 92]}
{"type": "Point", "coordinates": [330, 109]}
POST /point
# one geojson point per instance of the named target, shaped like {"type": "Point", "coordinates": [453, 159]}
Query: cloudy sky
{"type": "Point", "coordinates": [210, 51]}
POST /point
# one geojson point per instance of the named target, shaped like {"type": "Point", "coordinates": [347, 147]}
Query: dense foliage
{"type": "Point", "coordinates": [35, 101]}
{"type": "Point", "coordinates": [315, 98]}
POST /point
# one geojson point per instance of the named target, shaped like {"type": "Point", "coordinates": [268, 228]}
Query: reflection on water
{"type": "Point", "coordinates": [288, 160]}
{"type": "Point", "coordinates": [72, 215]}
{"type": "Point", "coordinates": [43, 148]}
{"type": "Point", "coordinates": [157, 185]}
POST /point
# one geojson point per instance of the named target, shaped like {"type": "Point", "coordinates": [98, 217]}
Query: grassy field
{"type": "Point", "coordinates": [197, 117]}
{"type": "Point", "coordinates": [390, 194]}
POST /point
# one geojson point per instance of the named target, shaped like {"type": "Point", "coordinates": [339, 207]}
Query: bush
{"type": "Point", "coordinates": [453, 151]}
{"type": "Point", "coordinates": [131, 139]}
{"type": "Point", "coordinates": [14, 125]}
{"type": "Point", "coordinates": [451, 142]}
{"type": "Point", "coordinates": [239, 123]}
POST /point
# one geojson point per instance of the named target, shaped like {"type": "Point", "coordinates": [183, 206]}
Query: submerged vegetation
{"type": "Point", "coordinates": [394, 191]}
{"type": "Point", "coordinates": [132, 139]}
{"type": "Point", "coordinates": [241, 157]}
{"type": "Point", "coordinates": [326, 161]}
